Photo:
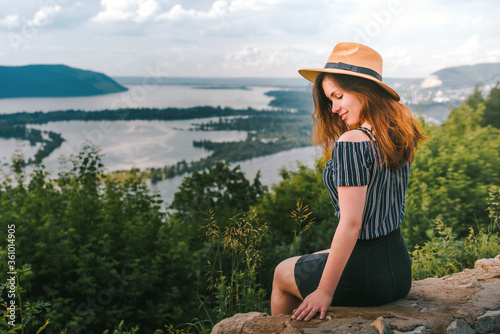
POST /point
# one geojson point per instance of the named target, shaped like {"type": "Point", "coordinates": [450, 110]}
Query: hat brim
{"type": "Point", "coordinates": [311, 74]}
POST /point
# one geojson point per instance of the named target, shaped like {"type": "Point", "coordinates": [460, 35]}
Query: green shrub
{"type": "Point", "coordinates": [444, 254]}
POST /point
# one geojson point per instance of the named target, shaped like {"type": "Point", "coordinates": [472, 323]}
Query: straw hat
{"type": "Point", "coordinates": [353, 59]}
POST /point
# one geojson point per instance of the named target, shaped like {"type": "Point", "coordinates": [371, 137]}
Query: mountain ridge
{"type": "Point", "coordinates": [463, 76]}
{"type": "Point", "coordinates": [487, 72]}
{"type": "Point", "coordinates": [47, 80]}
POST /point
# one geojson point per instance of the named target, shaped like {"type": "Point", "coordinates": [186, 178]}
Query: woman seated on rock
{"type": "Point", "coordinates": [372, 139]}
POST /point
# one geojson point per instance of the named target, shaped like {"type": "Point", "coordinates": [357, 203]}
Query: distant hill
{"type": "Point", "coordinates": [464, 76]}
{"type": "Point", "coordinates": [54, 81]}
{"type": "Point", "coordinates": [210, 83]}
{"type": "Point", "coordinates": [434, 94]}
{"type": "Point", "coordinates": [450, 78]}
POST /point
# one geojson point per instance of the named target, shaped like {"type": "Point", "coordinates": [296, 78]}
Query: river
{"type": "Point", "coordinates": [142, 144]}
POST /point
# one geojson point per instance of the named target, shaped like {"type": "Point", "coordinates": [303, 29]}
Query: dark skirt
{"type": "Point", "coordinates": [377, 272]}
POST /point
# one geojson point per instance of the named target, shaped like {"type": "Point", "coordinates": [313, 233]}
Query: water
{"type": "Point", "coordinates": [142, 144]}
{"type": "Point", "coordinates": [9, 146]}
{"type": "Point", "coordinates": [268, 165]}
{"type": "Point", "coordinates": [143, 96]}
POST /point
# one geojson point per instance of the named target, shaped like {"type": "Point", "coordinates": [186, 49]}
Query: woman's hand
{"type": "Point", "coordinates": [318, 301]}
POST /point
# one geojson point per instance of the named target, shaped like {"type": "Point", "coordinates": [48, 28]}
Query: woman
{"type": "Point", "coordinates": [372, 138]}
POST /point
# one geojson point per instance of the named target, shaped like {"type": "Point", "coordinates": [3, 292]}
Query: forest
{"type": "Point", "coordinates": [90, 252]}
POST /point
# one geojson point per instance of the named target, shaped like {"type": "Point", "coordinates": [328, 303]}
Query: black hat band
{"type": "Point", "coordinates": [357, 69]}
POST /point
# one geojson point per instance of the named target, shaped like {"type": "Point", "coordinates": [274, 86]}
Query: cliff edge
{"type": "Point", "coordinates": [465, 302]}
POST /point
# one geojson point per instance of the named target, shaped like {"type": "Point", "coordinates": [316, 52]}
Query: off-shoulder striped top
{"type": "Point", "coordinates": [355, 164]}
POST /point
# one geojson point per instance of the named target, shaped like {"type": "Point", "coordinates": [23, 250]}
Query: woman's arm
{"type": "Point", "coordinates": [351, 203]}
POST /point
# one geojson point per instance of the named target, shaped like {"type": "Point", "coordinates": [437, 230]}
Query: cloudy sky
{"type": "Point", "coordinates": [245, 38]}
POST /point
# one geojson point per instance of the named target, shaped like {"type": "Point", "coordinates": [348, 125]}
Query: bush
{"type": "Point", "coordinates": [444, 254]}
{"type": "Point", "coordinates": [101, 251]}
{"type": "Point", "coordinates": [451, 175]}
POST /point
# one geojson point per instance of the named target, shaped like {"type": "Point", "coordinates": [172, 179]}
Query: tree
{"type": "Point", "coordinates": [491, 114]}
{"type": "Point", "coordinates": [276, 208]}
{"type": "Point", "coordinates": [476, 98]}
{"type": "Point", "coordinates": [451, 175]}
{"type": "Point", "coordinates": [100, 250]}
{"type": "Point", "coordinates": [222, 189]}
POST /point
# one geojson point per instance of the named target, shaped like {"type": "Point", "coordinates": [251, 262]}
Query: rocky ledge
{"type": "Point", "coordinates": [465, 302]}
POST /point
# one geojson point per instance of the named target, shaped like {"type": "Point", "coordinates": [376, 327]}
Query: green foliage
{"type": "Point", "coordinates": [234, 271]}
{"type": "Point", "coordinates": [494, 208]}
{"type": "Point", "coordinates": [222, 189]}
{"type": "Point", "coordinates": [172, 330]}
{"type": "Point", "coordinates": [445, 254]}
{"type": "Point", "coordinates": [122, 329]}
{"type": "Point", "coordinates": [33, 136]}
{"type": "Point", "coordinates": [475, 99]}
{"type": "Point", "coordinates": [302, 222]}
{"type": "Point", "coordinates": [101, 250]}
{"type": "Point", "coordinates": [300, 100]}
{"type": "Point", "coordinates": [124, 114]}
{"type": "Point", "coordinates": [275, 207]}
{"type": "Point", "coordinates": [451, 175]}
{"type": "Point", "coordinates": [492, 108]}
{"type": "Point", "coordinates": [24, 307]}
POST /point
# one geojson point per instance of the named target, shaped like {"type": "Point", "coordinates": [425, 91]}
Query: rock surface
{"type": "Point", "coordinates": [465, 302]}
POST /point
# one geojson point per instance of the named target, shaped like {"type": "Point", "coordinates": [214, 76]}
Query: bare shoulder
{"type": "Point", "coordinates": [353, 136]}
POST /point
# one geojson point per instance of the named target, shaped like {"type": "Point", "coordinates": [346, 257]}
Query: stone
{"type": "Point", "coordinates": [418, 330]}
{"type": "Point", "coordinates": [459, 326]}
{"type": "Point", "coordinates": [458, 303]}
{"type": "Point", "coordinates": [464, 315]}
{"type": "Point", "coordinates": [488, 322]}
{"type": "Point", "coordinates": [236, 322]}
{"type": "Point", "coordinates": [382, 326]}
{"type": "Point", "coordinates": [289, 329]}
{"type": "Point", "coordinates": [487, 263]}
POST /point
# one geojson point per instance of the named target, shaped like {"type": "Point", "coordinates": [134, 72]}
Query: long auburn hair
{"type": "Point", "coordinates": [395, 127]}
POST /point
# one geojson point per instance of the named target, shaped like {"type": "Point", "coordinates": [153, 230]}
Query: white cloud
{"type": "Point", "coordinates": [45, 15]}
{"type": "Point", "coordinates": [10, 21]}
{"type": "Point", "coordinates": [472, 46]}
{"type": "Point", "coordinates": [146, 9]}
{"type": "Point", "coordinates": [122, 10]}
{"type": "Point", "coordinates": [421, 19]}
{"type": "Point", "coordinates": [255, 5]}
{"type": "Point", "coordinates": [381, 12]}
{"type": "Point", "coordinates": [248, 56]}
{"type": "Point", "coordinates": [467, 20]}
{"type": "Point", "coordinates": [177, 13]}
{"type": "Point", "coordinates": [471, 51]}
{"type": "Point", "coordinates": [219, 8]}
{"type": "Point", "coordinates": [256, 61]}
{"type": "Point", "coordinates": [251, 37]}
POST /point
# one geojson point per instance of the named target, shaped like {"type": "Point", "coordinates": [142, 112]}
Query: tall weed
{"type": "Point", "coordinates": [444, 254]}
{"type": "Point", "coordinates": [494, 208]}
{"type": "Point", "coordinates": [234, 272]}
{"type": "Point", "coordinates": [301, 222]}
{"type": "Point", "coordinates": [25, 309]}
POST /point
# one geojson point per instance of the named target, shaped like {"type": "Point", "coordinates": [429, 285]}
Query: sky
{"type": "Point", "coordinates": [245, 38]}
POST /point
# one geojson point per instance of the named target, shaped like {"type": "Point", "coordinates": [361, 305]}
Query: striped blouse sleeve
{"type": "Point", "coordinates": [351, 164]}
